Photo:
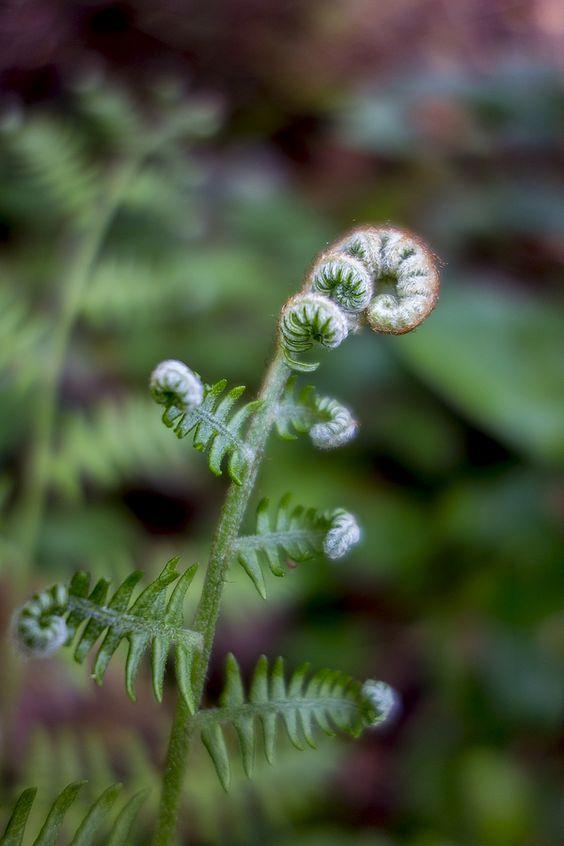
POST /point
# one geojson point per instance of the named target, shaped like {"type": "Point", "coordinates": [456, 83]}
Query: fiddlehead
{"type": "Point", "coordinates": [404, 270]}
{"type": "Point", "coordinates": [53, 618]}
{"type": "Point", "coordinates": [294, 533]}
{"type": "Point", "coordinates": [174, 385]}
{"type": "Point", "coordinates": [343, 278]}
{"type": "Point", "coordinates": [328, 423]}
{"type": "Point", "coordinates": [329, 700]}
{"type": "Point", "coordinates": [307, 319]}
{"type": "Point", "coordinates": [206, 411]}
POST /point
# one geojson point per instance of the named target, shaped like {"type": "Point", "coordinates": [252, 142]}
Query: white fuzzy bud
{"type": "Point", "coordinates": [38, 628]}
{"type": "Point", "coordinates": [381, 701]}
{"type": "Point", "coordinates": [172, 383]}
{"type": "Point", "coordinates": [338, 430]}
{"type": "Point", "coordinates": [342, 536]}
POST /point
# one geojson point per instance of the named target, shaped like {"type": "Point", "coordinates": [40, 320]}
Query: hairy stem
{"type": "Point", "coordinates": [208, 609]}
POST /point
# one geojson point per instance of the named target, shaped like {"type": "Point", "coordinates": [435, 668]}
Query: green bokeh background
{"type": "Point", "coordinates": [296, 121]}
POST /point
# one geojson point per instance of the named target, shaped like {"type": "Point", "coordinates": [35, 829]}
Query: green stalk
{"type": "Point", "coordinates": [76, 278]}
{"type": "Point", "coordinates": [221, 553]}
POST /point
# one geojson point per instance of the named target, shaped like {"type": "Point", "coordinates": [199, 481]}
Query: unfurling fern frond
{"type": "Point", "coordinates": [88, 832]}
{"type": "Point", "coordinates": [294, 533]}
{"type": "Point", "coordinates": [328, 700]}
{"type": "Point", "coordinates": [206, 412]}
{"type": "Point", "coordinates": [309, 319]}
{"type": "Point", "coordinates": [328, 423]}
{"type": "Point", "coordinates": [51, 619]}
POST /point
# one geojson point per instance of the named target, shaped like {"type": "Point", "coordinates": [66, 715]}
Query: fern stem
{"type": "Point", "coordinates": [208, 609]}
{"type": "Point", "coordinates": [85, 254]}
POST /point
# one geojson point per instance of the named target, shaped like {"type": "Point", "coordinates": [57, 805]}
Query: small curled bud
{"type": "Point", "coordinates": [39, 628]}
{"type": "Point", "coordinates": [344, 279]}
{"type": "Point", "coordinates": [307, 319]}
{"type": "Point", "coordinates": [406, 282]}
{"type": "Point", "coordinates": [340, 428]}
{"type": "Point", "coordinates": [342, 536]}
{"type": "Point", "coordinates": [380, 700]}
{"type": "Point", "coordinates": [172, 383]}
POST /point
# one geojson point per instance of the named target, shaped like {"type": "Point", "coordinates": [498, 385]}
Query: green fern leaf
{"type": "Point", "coordinates": [53, 158]}
{"type": "Point", "coordinates": [329, 700]}
{"type": "Point", "coordinates": [51, 619]}
{"type": "Point", "coordinates": [86, 833]}
{"type": "Point", "coordinates": [294, 533]}
{"type": "Point", "coordinates": [114, 441]}
{"type": "Point", "coordinates": [328, 423]}
{"type": "Point", "coordinates": [21, 337]}
{"type": "Point", "coordinates": [215, 429]}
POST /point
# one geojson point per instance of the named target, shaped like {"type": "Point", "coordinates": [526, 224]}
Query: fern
{"type": "Point", "coordinates": [53, 158]}
{"type": "Point", "coordinates": [215, 429]}
{"type": "Point", "coordinates": [115, 441]}
{"type": "Point", "coordinates": [328, 700]}
{"type": "Point", "coordinates": [87, 831]}
{"type": "Point", "coordinates": [294, 533]}
{"type": "Point", "coordinates": [51, 619]}
{"type": "Point", "coordinates": [21, 337]}
{"type": "Point", "coordinates": [328, 423]}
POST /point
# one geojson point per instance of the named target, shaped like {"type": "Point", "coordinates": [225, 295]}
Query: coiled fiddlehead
{"type": "Point", "coordinates": [343, 278]}
{"type": "Point", "coordinates": [307, 319]}
{"type": "Point", "coordinates": [173, 384]}
{"type": "Point", "coordinates": [39, 628]}
{"type": "Point", "coordinates": [404, 270]}
{"type": "Point", "coordinates": [328, 423]}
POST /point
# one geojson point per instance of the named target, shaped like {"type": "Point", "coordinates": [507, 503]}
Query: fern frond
{"type": "Point", "coordinates": [87, 831]}
{"type": "Point", "coordinates": [215, 429]}
{"type": "Point", "coordinates": [52, 619]}
{"type": "Point", "coordinates": [115, 441]}
{"type": "Point", "coordinates": [21, 337]}
{"type": "Point", "coordinates": [294, 533]}
{"type": "Point", "coordinates": [328, 700]}
{"type": "Point", "coordinates": [52, 156]}
{"type": "Point", "coordinates": [328, 423]}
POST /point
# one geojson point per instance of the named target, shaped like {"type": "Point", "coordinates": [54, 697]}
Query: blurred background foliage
{"type": "Point", "coordinates": [281, 125]}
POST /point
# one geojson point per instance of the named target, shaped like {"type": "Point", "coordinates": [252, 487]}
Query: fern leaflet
{"type": "Point", "coordinates": [85, 835]}
{"type": "Point", "coordinates": [328, 423]}
{"type": "Point", "coordinates": [51, 619]}
{"type": "Point", "coordinates": [294, 533]}
{"type": "Point", "coordinates": [215, 429]}
{"type": "Point", "coordinates": [328, 700]}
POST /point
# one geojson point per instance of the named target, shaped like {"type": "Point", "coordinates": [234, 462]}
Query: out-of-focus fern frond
{"type": "Point", "coordinates": [52, 156]}
{"type": "Point", "coordinates": [123, 290]}
{"type": "Point", "coordinates": [276, 795]}
{"type": "Point", "coordinates": [115, 442]}
{"type": "Point", "coordinates": [87, 832]}
{"type": "Point", "coordinates": [52, 619]}
{"type": "Point", "coordinates": [327, 700]}
{"type": "Point", "coordinates": [296, 534]}
{"type": "Point", "coordinates": [21, 337]}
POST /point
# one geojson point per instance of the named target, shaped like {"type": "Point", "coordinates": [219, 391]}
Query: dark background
{"type": "Point", "coordinates": [298, 120]}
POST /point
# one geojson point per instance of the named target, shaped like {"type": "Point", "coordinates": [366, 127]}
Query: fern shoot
{"type": "Point", "coordinates": [375, 276]}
